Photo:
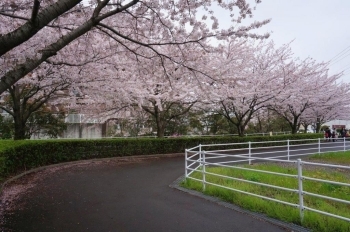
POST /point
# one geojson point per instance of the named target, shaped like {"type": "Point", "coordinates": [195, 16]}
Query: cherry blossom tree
{"type": "Point", "coordinates": [265, 121]}
{"type": "Point", "coordinates": [308, 87]}
{"type": "Point", "coordinates": [169, 97]}
{"type": "Point", "coordinates": [248, 78]}
{"type": "Point", "coordinates": [333, 103]}
{"type": "Point", "coordinates": [30, 95]}
{"type": "Point", "coordinates": [249, 82]}
{"type": "Point", "coordinates": [50, 84]}
{"type": "Point", "coordinates": [163, 88]}
{"type": "Point", "coordinates": [33, 32]}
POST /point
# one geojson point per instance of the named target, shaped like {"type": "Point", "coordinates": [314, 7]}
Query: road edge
{"type": "Point", "coordinates": [289, 226]}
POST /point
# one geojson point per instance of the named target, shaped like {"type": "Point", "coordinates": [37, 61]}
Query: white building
{"type": "Point", "coordinates": [337, 124]}
{"type": "Point", "coordinates": [79, 126]}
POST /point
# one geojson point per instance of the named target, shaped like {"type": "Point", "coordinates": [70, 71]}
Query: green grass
{"type": "Point", "coordinates": [341, 158]}
{"type": "Point", "coordinates": [313, 221]}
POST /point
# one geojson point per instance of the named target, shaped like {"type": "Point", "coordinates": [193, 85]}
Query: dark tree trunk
{"type": "Point", "coordinates": [160, 131]}
{"type": "Point", "coordinates": [241, 129]}
{"type": "Point", "coordinates": [163, 117]}
{"type": "Point", "coordinates": [294, 129]}
{"type": "Point", "coordinates": [160, 124]}
{"type": "Point", "coordinates": [18, 117]}
{"type": "Point", "coordinates": [20, 131]}
{"type": "Point", "coordinates": [295, 125]}
{"type": "Point", "coordinates": [318, 125]}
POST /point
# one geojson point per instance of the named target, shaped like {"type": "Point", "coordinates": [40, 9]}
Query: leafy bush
{"type": "Point", "coordinates": [24, 155]}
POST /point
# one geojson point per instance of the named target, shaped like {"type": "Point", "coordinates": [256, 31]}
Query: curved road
{"type": "Point", "coordinates": [117, 195]}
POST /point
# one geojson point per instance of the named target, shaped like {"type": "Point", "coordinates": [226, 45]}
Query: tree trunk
{"type": "Point", "coordinates": [240, 129]}
{"type": "Point", "coordinates": [260, 127]}
{"type": "Point", "coordinates": [18, 117]}
{"type": "Point", "coordinates": [295, 128]}
{"type": "Point", "coordinates": [20, 131]}
{"type": "Point", "coordinates": [305, 127]}
{"type": "Point", "coordinates": [160, 131]}
{"type": "Point", "coordinates": [318, 125]}
{"type": "Point", "coordinates": [160, 126]}
{"type": "Point", "coordinates": [295, 125]}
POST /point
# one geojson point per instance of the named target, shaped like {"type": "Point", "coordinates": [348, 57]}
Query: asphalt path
{"type": "Point", "coordinates": [125, 195]}
{"type": "Point", "coordinates": [111, 195]}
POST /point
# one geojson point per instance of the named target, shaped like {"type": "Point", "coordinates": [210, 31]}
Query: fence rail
{"type": "Point", "coordinates": [200, 157]}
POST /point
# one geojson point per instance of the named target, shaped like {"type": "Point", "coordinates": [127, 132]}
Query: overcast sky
{"type": "Point", "coordinates": [320, 29]}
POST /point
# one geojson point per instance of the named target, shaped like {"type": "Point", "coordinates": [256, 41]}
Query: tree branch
{"type": "Point", "coordinates": [35, 10]}
{"type": "Point", "coordinates": [30, 28]}
{"type": "Point", "coordinates": [7, 110]}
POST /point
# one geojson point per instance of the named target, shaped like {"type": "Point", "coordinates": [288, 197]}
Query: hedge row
{"type": "Point", "coordinates": [35, 153]}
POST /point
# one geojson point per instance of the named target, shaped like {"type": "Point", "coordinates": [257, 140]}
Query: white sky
{"type": "Point", "coordinates": [320, 29]}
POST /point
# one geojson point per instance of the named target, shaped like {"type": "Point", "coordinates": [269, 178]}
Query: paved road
{"type": "Point", "coordinates": [119, 196]}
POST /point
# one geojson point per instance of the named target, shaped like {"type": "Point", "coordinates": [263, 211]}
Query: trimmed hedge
{"type": "Point", "coordinates": [24, 155]}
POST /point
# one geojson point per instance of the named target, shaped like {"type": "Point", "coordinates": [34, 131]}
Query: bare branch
{"type": "Point", "coordinates": [35, 10]}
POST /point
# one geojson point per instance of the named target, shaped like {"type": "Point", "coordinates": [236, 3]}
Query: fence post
{"type": "Point", "coordinates": [186, 174]}
{"type": "Point", "coordinates": [203, 170]}
{"type": "Point", "coordinates": [288, 148]}
{"type": "Point", "coordinates": [250, 152]}
{"type": "Point", "coordinates": [319, 146]}
{"type": "Point", "coordinates": [200, 153]}
{"type": "Point", "coordinates": [300, 184]}
{"type": "Point", "coordinates": [344, 143]}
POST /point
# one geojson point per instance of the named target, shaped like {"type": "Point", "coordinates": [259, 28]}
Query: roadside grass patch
{"type": "Point", "coordinates": [340, 158]}
{"type": "Point", "coordinates": [313, 221]}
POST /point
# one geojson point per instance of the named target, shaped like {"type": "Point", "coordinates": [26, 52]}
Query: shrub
{"type": "Point", "coordinates": [24, 155]}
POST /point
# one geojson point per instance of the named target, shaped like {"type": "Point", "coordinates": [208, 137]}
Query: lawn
{"type": "Point", "coordinates": [311, 220]}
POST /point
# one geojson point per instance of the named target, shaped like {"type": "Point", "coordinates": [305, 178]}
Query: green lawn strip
{"type": "Point", "coordinates": [314, 221]}
{"type": "Point", "coordinates": [340, 158]}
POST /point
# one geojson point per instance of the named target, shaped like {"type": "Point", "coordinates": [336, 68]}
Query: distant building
{"type": "Point", "coordinates": [338, 124]}
{"type": "Point", "coordinates": [79, 126]}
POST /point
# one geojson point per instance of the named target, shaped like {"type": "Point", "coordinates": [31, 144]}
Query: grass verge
{"type": "Point", "coordinates": [311, 220]}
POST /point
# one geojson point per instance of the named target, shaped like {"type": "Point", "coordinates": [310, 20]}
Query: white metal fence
{"type": "Point", "coordinates": [200, 157]}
